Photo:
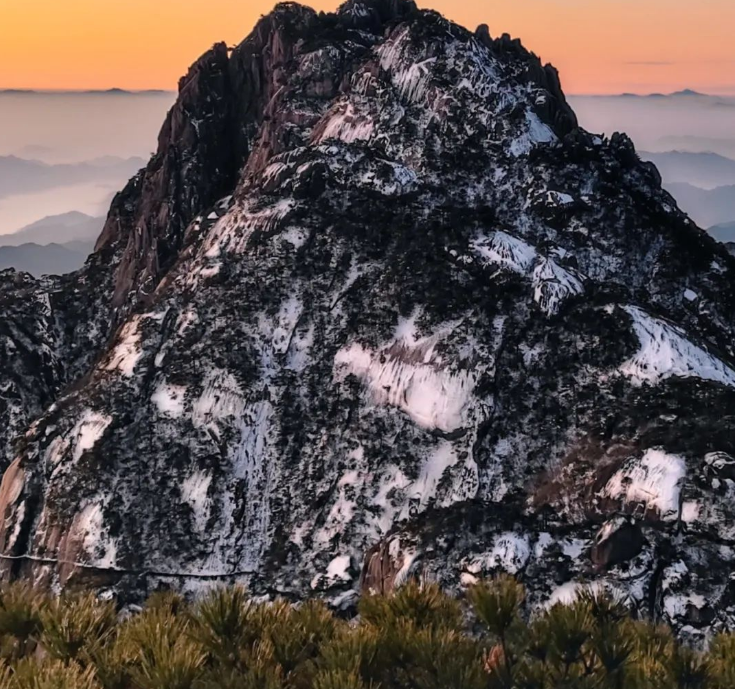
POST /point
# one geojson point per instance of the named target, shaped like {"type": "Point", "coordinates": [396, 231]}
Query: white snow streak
{"type": "Point", "coordinates": [338, 568]}
{"type": "Point", "coordinates": [424, 489]}
{"type": "Point", "coordinates": [233, 231]}
{"type": "Point", "coordinates": [85, 434]}
{"type": "Point", "coordinates": [510, 553]}
{"type": "Point", "coordinates": [610, 527]}
{"type": "Point", "coordinates": [535, 132]}
{"type": "Point", "coordinates": [402, 181]}
{"type": "Point", "coordinates": [348, 125]}
{"type": "Point", "coordinates": [666, 352]}
{"type": "Point", "coordinates": [568, 593]}
{"type": "Point", "coordinates": [194, 492]}
{"type": "Point", "coordinates": [411, 78]}
{"type": "Point", "coordinates": [552, 284]}
{"type": "Point", "coordinates": [285, 323]}
{"type": "Point", "coordinates": [126, 354]}
{"type": "Point", "coordinates": [88, 431]}
{"type": "Point", "coordinates": [169, 399]}
{"type": "Point", "coordinates": [88, 527]}
{"type": "Point", "coordinates": [506, 251]}
{"type": "Point", "coordinates": [653, 480]}
{"type": "Point", "coordinates": [221, 398]}
{"type": "Point", "coordinates": [409, 375]}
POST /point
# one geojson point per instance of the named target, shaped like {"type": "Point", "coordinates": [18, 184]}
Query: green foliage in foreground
{"type": "Point", "coordinates": [416, 639]}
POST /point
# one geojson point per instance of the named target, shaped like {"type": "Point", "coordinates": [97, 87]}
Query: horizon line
{"type": "Point", "coordinates": [115, 90]}
{"type": "Point", "coordinates": [109, 91]}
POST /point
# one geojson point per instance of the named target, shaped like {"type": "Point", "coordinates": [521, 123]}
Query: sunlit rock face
{"type": "Point", "coordinates": [378, 308]}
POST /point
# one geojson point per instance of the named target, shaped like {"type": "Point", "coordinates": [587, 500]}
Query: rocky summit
{"type": "Point", "coordinates": [378, 308]}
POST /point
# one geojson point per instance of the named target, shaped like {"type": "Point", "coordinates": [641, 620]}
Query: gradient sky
{"type": "Point", "coordinates": [600, 46]}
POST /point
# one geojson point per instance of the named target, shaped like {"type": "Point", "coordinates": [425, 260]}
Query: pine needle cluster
{"type": "Point", "coordinates": [417, 638]}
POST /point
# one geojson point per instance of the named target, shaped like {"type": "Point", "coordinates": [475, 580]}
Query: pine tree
{"type": "Point", "coordinates": [75, 626]}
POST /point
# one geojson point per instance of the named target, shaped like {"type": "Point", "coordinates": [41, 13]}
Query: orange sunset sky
{"type": "Point", "coordinates": [600, 46]}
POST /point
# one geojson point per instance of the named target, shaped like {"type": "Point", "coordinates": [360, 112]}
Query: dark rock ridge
{"type": "Point", "coordinates": [378, 308]}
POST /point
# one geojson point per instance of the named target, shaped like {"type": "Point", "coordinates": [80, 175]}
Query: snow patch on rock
{"type": "Point", "coordinates": [557, 198]}
{"type": "Point", "coordinates": [285, 323]}
{"type": "Point", "coordinates": [552, 284]}
{"type": "Point", "coordinates": [88, 527]}
{"type": "Point", "coordinates": [88, 430]}
{"type": "Point", "coordinates": [510, 553]}
{"type": "Point", "coordinates": [408, 555]}
{"type": "Point", "coordinates": [678, 604]}
{"type": "Point", "coordinates": [344, 507]}
{"type": "Point", "coordinates": [506, 251]}
{"type": "Point", "coordinates": [127, 352]}
{"type": "Point", "coordinates": [434, 472]}
{"type": "Point", "coordinates": [409, 374]}
{"type": "Point", "coordinates": [569, 592]}
{"type": "Point", "coordinates": [666, 352]}
{"type": "Point", "coordinates": [234, 229]}
{"type": "Point", "coordinates": [402, 180]}
{"type": "Point", "coordinates": [338, 568]}
{"type": "Point", "coordinates": [533, 133]}
{"type": "Point", "coordinates": [169, 399]}
{"type": "Point", "coordinates": [221, 398]}
{"type": "Point", "coordinates": [410, 77]}
{"type": "Point", "coordinates": [346, 124]}
{"type": "Point", "coordinates": [194, 491]}
{"type": "Point", "coordinates": [654, 481]}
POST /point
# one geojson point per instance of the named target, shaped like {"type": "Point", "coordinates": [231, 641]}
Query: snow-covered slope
{"type": "Point", "coordinates": [378, 307]}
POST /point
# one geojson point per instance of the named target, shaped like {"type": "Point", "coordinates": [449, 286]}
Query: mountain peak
{"type": "Point", "coordinates": [372, 13]}
{"type": "Point", "coordinates": [687, 92]}
{"type": "Point", "coordinates": [378, 308]}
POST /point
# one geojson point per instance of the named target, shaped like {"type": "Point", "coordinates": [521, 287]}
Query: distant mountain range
{"type": "Point", "coordinates": [697, 144]}
{"type": "Point", "coordinates": [52, 259]}
{"type": "Point", "coordinates": [23, 176]}
{"type": "Point", "coordinates": [725, 232]}
{"type": "Point", "coordinates": [54, 245]}
{"type": "Point", "coordinates": [707, 207]}
{"type": "Point", "coordinates": [707, 170]}
{"type": "Point", "coordinates": [703, 185]}
{"type": "Point", "coordinates": [103, 92]}
{"type": "Point", "coordinates": [684, 93]}
{"type": "Point", "coordinates": [59, 229]}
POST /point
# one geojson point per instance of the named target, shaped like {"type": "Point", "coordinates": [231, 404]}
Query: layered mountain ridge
{"type": "Point", "coordinates": [379, 308]}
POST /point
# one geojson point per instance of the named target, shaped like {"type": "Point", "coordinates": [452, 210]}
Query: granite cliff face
{"type": "Point", "coordinates": [379, 308]}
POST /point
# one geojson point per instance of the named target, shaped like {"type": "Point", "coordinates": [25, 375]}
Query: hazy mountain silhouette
{"type": "Point", "coordinates": [105, 92]}
{"type": "Point", "coordinates": [706, 207]}
{"type": "Point", "coordinates": [59, 229]}
{"type": "Point", "coordinates": [55, 245]}
{"type": "Point", "coordinates": [52, 259]}
{"type": "Point", "coordinates": [21, 176]}
{"type": "Point", "coordinates": [699, 169]}
{"type": "Point", "coordinates": [693, 143]}
{"type": "Point", "coordinates": [685, 93]}
{"type": "Point", "coordinates": [724, 232]}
